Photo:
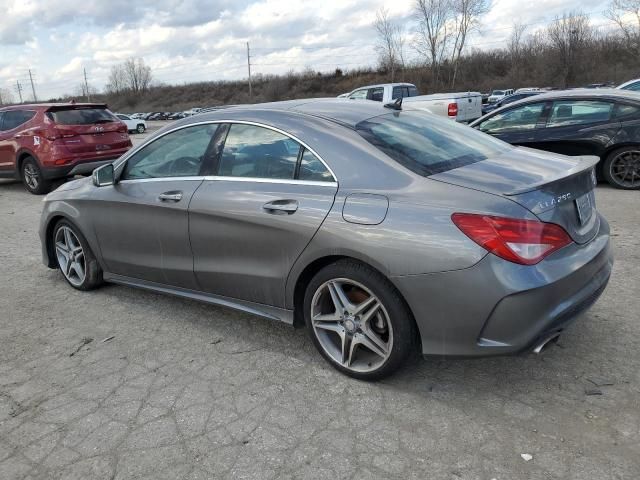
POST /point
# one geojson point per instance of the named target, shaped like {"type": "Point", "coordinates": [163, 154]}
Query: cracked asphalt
{"type": "Point", "coordinates": [183, 390]}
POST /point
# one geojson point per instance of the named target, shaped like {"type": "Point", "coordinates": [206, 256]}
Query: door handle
{"type": "Point", "coordinates": [170, 196]}
{"type": "Point", "coordinates": [281, 206]}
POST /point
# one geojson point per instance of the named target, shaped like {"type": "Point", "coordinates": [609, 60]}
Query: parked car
{"type": "Point", "coordinates": [633, 85]}
{"type": "Point", "coordinates": [432, 235]}
{"type": "Point", "coordinates": [602, 122]}
{"type": "Point", "coordinates": [489, 107]}
{"type": "Point", "coordinates": [48, 141]}
{"type": "Point", "coordinates": [462, 107]}
{"type": "Point", "coordinates": [133, 124]}
{"type": "Point", "coordinates": [498, 95]}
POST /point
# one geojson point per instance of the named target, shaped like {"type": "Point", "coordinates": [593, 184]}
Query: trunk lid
{"type": "Point", "coordinates": [556, 188]}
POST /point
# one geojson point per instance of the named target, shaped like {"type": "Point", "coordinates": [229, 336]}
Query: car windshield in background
{"type": "Point", "coordinates": [81, 116]}
{"type": "Point", "coordinates": [426, 144]}
{"type": "Point", "coordinates": [498, 92]}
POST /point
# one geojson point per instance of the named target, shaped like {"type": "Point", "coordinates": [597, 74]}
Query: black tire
{"type": "Point", "coordinates": [405, 333]}
{"type": "Point", "coordinates": [610, 169]}
{"type": "Point", "coordinates": [93, 271]}
{"type": "Point", "coordinates": [140, 128]}
{"type": "Point", "coordinates": [32, 178]}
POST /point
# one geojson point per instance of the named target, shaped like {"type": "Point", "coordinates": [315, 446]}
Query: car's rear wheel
{"type": "Point", "coordinates": [140, 128]}
{"type": "Point", "coordinates": [75, 259]}
{"type": "Point", "coordinates": [622, 168]}
{"type": "Point", "coordinates": [358, 321]}
{"type": "Point", "coordinates": [32, 177]}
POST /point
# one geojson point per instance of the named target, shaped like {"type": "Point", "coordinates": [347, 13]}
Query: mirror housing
{"type": "Point", "coordinates": [103, 176]}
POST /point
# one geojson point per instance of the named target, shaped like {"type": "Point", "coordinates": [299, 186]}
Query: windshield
{"type": "Point", "coordinates": [81, 116]}
{"type": "Point", "coordinates": [427, 144]}
{"type": "Point", "coordinates": [498, 92]}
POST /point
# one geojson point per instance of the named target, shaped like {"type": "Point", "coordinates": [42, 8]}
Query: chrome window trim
{"type": "Point", "coordinates": [163, 179]}
{"type": "Point", "coordinates": [118, 164]}
{"type": "Point", "coordinates": [286, 181]}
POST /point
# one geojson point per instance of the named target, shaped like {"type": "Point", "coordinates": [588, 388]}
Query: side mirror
{"type": "Point", "coordinates": [103, 176]}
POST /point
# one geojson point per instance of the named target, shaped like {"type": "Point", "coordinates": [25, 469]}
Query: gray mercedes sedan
{"type": "Point", "coordinates": [382, 231]}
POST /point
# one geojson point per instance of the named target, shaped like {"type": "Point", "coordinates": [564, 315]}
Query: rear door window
{"type": "Point", "coordinates": [520, 118]}
{"type": "Point", "coordinates": [425, 144]}
{"type": "Point", "coordinates": [311, 168]}
{"type": "Point", "coordinates": [400, 92]}
{"type": "Point", "coordinates": [579, 112]}
{"type": "Point", "coordinates": [376, 94]}
{"type": "Point", "coordinates": [625, 111]}
{"type": "Point", "coordinates": [81, 116]}
{"type": "Point", "coordinates": [123, 117]}
{"type": "Point", "coordinates": [258, 152]}
{"type": "Point", "coordinates": [14, 118]}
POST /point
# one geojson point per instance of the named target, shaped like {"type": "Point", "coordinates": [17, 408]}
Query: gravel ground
{"type": "Point", "coordinates": [186, 390]}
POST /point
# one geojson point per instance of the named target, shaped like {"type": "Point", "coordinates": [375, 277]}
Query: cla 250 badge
{"type": "Point", "coordinates": [552, 202]}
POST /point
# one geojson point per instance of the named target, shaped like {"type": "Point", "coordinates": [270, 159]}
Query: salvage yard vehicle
{"type": "Point", "coordinates": [133, 124]}
{"type": "Point", "coordinates": [462, 106]}
{"type": "Point", "coordinates": [498, 95]}
{"type": "Point", "coordinates": [602, 122]}
{"type": "Point", "coordinates": [383, 231]}
{"type": "Point", "coordinates": [489, 107]}
{"type": "Point", "coordinates": [47, 141]}
{"type": "Point", "coordinates": [633, 85]}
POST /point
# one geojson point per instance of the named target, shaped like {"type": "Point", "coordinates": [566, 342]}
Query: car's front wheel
{"type": "Point", "coordinates": [32, 177]}
{"type": "Point", "coordinates": [622, 168]}
{"type": "Point", "coordinates": [358, 321]}
{"type": "Point", "coordinates": [140, 128]}
{"type": "Point", "coordinates": [75, 259]}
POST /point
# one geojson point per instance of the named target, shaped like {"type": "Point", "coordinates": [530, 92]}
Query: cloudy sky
{"type": "Point", "coordinates": [191, 40]}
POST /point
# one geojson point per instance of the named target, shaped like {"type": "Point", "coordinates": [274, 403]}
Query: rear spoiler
{"type": "Point", "coordinates": [586, 162]}
{"type": "Point", "coordinates": [75, 106]}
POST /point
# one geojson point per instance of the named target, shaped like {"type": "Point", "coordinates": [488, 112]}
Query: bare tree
{"type": "Point", "coordinates": [626, 14]}
{"type": "Point", "coordinates": [131, 76]}
{"type": "Point", "coordinates": [466, 14]}
{"type": "Point", "coordinates": [84, 90]}
{"type": "Point", "coordinates": [432, 33]}
{"type": "Point", "coordinates": [516, 41]}
{"type": "Point", "coordinates": [6, 97]}
{"type": "Point", "coordinates": [569, 36]}
{"type": "Point", "coordinates": [390, 46]}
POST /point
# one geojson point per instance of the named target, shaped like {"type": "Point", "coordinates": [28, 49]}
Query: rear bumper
{"type": "Point", "coordinates": [83, 166]}
{"type": "Point", "coordinates": [497, 307]}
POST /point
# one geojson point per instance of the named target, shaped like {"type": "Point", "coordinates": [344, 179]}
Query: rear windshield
{"type": "Point", "coordinates": [427, 144]}
{"type": "Point", "coordinates": [82, 116]}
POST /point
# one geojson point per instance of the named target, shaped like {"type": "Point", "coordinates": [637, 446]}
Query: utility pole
{"type": "Point", "coordinates": [19, 89]}
{"type": "Point", "coordinates": [33, 89]}
{"type": "Point", "coordinates": [249, 68]}
{"type": "Point", "coordinates": [86, 85]}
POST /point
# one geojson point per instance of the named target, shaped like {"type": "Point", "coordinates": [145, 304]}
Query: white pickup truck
{"type": "Point", "coordinates": [462, 106]}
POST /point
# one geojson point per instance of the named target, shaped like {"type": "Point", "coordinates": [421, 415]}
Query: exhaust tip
{"type": "Point", "coordinates": [549, 339]}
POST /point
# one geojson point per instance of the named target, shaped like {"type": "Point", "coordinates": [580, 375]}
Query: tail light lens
{"type": "Point", "coordinates": [452, 110]}
{"type": "Point", "coordinates": [525, 242]}
{"type": "Point", "coordinates": [56, 132]}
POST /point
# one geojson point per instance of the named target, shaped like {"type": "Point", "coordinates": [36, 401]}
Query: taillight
{"type": "Point", "coordinates": [452, 110]}
{"type": "Point", "coordinates": [57, 132]}
{"type": "Point", "coordinates": [525, 242]}
{"type": "Point", "coordinates": [122, 128]}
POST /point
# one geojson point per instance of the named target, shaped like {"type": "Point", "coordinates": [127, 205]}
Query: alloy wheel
{"type": "Point", "coordinates": [31, 176]}
{"type": "Point", "coordinates": [70, 256]}
{"type": "Point", "coordinates": [625, 168]}
{"type": "Point", "coordinates": [351, 325]}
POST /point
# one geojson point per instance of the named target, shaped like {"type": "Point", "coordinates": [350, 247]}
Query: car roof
{"type": "Point", "coordinates": [338, 110]}
{"type": "Point", "coordinates": [401, 84]}
{"type": "Point", "coordinates": [48, 106]}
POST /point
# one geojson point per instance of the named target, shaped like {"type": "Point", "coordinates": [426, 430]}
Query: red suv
{"type": "Point", "coordinates": [43, 142]}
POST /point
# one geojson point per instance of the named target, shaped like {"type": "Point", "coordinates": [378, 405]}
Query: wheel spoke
{"type": "Point", "coordinates": [67, 238]}
{"type": "Point", "coordinates": [327, 317]}
{"type": "Point", "coordinates": [373, 337]}
{"type": "Point", "coordinates": [367, 342]}
{"type": "Point", "coordinates": [331, 326]}
{"type": "Point", "coordinates": [362, 306]}
{"type": "Point", "coordinates": [338, 297]}
{"type": "Point", "coordinates": [347, 350]}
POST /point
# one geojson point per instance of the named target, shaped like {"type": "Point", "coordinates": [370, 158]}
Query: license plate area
{"type": "Point", "coordinates": [584, 208]}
